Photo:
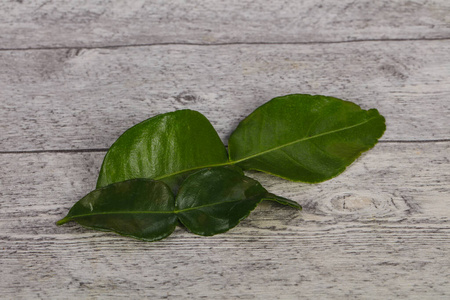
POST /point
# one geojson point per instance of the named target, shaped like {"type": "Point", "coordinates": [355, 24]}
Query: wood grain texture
{"type": "Point", "coordinates": [64, 99]}
{"type": "Point", "coordinates": [380, 230]}
{"type": "Point", "coordinates": [75, 74]}
{"type": "Point", "coordinates": [47, 23]}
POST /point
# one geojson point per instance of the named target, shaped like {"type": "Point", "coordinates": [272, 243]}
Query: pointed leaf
{"type": "Point", "coordinates": [304, 138]}
{"type": "Point", "coordinates": [215, 200]}
{"type": "Point", "coordinates": [165, 147]}
{"type": "Point", "coordinates": [140, 208]}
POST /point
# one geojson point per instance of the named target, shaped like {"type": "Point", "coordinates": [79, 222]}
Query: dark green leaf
{"type": "Point", "coordinates": [140, 208]}
{"type": "Point", "coordinates": [215, 200]}
{"type": "Point", "coordinates": [305, 138]}
{"type": "Point", "coordinates": [165, 147]}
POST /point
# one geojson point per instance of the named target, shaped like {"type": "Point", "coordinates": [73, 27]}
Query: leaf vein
{"type": "Point", "coordinates": [302, 140]}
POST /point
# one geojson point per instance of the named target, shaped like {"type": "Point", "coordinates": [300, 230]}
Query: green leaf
{"type": "Point", "coordinates": [214, 200]}
{"type": "Point", "coordinates": [304, 138]}
{"type": "Point", "coordinates": [166, 147]}
{"type": "Point", "coordinates": [297, 137]}
{"type": "Point", "coordinates": [140, 208]}
{"type": "Point", "coordinates": [210, 201]}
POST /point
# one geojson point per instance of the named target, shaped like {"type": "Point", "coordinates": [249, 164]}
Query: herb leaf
{"type": "Point", "coordinates": [165, 147]}
{"type": "Point", "coordinates": [140, 208]}
{"type": "Point", "coordinates": [304, 138]}
{"type": "Point", "coordinates": [297, 137]}
{"type": "Point", "coordinates": [210, 201]}
{"type": "Point", "coordinates": [214, 200]}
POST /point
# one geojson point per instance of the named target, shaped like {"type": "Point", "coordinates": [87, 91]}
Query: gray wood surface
{"type": "Point", "coordinates": [75, 74]}
{"type": "Point", "coordinates": [364, 234]}
{"type": "Point", "coordinates": [94, 95]}
{"type": "Point", "coordinates": [100, 23]}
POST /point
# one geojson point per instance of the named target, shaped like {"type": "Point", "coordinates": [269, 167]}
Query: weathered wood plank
{"type": "Point", "coordinates": [370, 261]}
{"type": "Point", "coordinates": [381, 229]}
{"type": "Point", "coordinates": [64, 99]}
{"type": "Point", "coordinates": [47, 23]}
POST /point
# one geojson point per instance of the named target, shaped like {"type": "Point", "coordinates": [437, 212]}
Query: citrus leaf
{"type": "Point", "coordinates": [304, 138]}
{"type": "Point", "coordinates": [210, 201]}
{"type": "Point", "coordinates": [140, 208]}
{"type": "Point", "coordinates": [214, 200]}
{"type": "Point", "coordinates": [166, 147]}
{"type": "Point", "coordinates": [297, 137]}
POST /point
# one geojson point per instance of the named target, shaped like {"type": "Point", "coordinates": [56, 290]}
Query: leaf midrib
{"type": "Point", "coordinates": [136, 212]}
{"type": "Point", "coordinates": [233, 162]}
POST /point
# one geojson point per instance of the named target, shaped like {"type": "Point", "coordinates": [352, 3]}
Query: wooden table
{"type": "Point", "coordinates": [75, 74]}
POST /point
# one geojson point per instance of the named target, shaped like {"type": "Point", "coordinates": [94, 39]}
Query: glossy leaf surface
{"type": "Point", "coordinates": [304, 138]}
{"type": "Point", "coordinates": [140, 208]}
{"type": "Point", "coordinates": [215, 200]}
{"type": "Point", "coordinates": [210, 201]}
{"type": "Point", "coordinates": [165, 148]}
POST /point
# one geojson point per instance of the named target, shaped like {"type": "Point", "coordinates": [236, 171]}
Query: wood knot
{"type": "Point", "coordinates": [364, 205]}
{"type": "Point", "coordinates": [349, 202]}
{"type": "Point", "coordinates": [186, 97]}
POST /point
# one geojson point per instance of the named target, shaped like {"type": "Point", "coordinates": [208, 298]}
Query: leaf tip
{"type": "Point", "coordinates": [62, 221]}
{"type": "Point", "coordinates": [295, 205]}
{"type": "Point", "coordinates": [283, 201]}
